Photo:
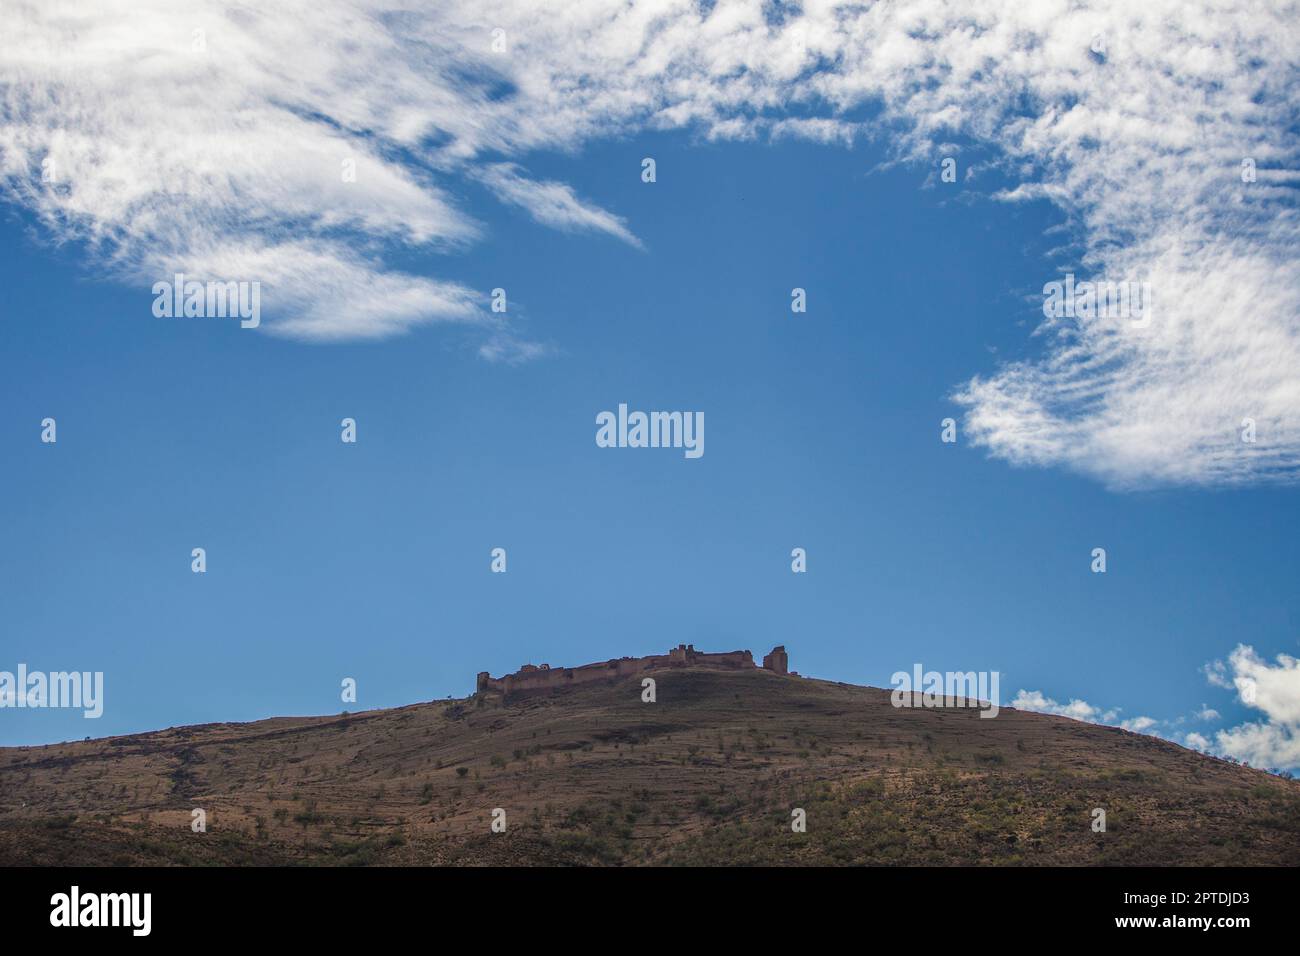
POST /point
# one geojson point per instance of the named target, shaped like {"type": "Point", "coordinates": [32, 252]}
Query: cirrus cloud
{"type": "Point", "coordinates": [208, 135]}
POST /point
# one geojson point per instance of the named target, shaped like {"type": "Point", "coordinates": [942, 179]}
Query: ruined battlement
{"type": "Point", "coordinates": [543, 677]}
{"type": "Point", "coordinates": [778, 661]}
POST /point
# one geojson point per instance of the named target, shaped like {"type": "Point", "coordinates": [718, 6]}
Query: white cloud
{"type": "Point", "coordinates": [1272, 689]}
{"type": "Point", "coordinates": [1078, 709]}
{"type": "Point", "coordinates": [212, 140]}
{"type": "Point", "coordinates": [1139, 725]}
{"type": "Point", "coordinates": [1261, 744]}
{"type": "Point", "coordinates": [337, 293]}
{"type": "Point", "coordinates": [506, 347]}
{"type": "Point", "coordinates": [1082, 710]}
{"type": "Point", "coordinates": [553, 204]}
{"type": "Point", "coordinates": [166, 155]}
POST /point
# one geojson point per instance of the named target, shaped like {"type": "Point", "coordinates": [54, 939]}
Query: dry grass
{"type": "Point", "coordinates": [708, 774]}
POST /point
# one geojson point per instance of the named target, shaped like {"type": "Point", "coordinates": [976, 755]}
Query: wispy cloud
{"type": "Point", "coordinates": [508, 348]}
{"type": "Point", "coordinates": [1133, 119]}
{"type": "Point", "coordinates": [553, 204]}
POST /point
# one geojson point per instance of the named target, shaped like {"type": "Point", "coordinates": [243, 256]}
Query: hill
{"type": "Point", "coordinates": [709, 773]}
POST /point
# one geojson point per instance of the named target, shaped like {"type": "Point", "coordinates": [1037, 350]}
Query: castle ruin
{"type": "Point", "coordinates": [778, 661]}
{"type": "Point", "coordinates": [542, 677]}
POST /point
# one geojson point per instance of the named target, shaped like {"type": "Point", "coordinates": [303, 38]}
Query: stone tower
{"type": "Point", "coordinates": [778, 662]}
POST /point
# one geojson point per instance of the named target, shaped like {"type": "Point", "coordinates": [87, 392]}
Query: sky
{"type": "Point", "coordinates": [793, 148]}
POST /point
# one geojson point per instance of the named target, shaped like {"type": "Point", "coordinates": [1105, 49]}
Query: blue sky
{"type": "Point", "coordinates": [371, 560]}
{"type": "Point", "coordinates": [793, 149]}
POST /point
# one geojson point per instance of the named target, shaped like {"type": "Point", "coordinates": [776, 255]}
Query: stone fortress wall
{"type": "Point", "coordinates": [533, 677]}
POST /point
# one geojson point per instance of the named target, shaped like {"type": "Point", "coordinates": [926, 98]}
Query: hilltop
{"type": "Point", "coordinates": [708, 773]}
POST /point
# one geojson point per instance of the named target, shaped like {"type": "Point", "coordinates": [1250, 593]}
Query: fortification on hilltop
{"type": "Point", "coordinates": [541, 677]}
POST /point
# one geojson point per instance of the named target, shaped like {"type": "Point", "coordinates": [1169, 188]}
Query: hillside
{"type": "Point", "coordinates": [707, 774]}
